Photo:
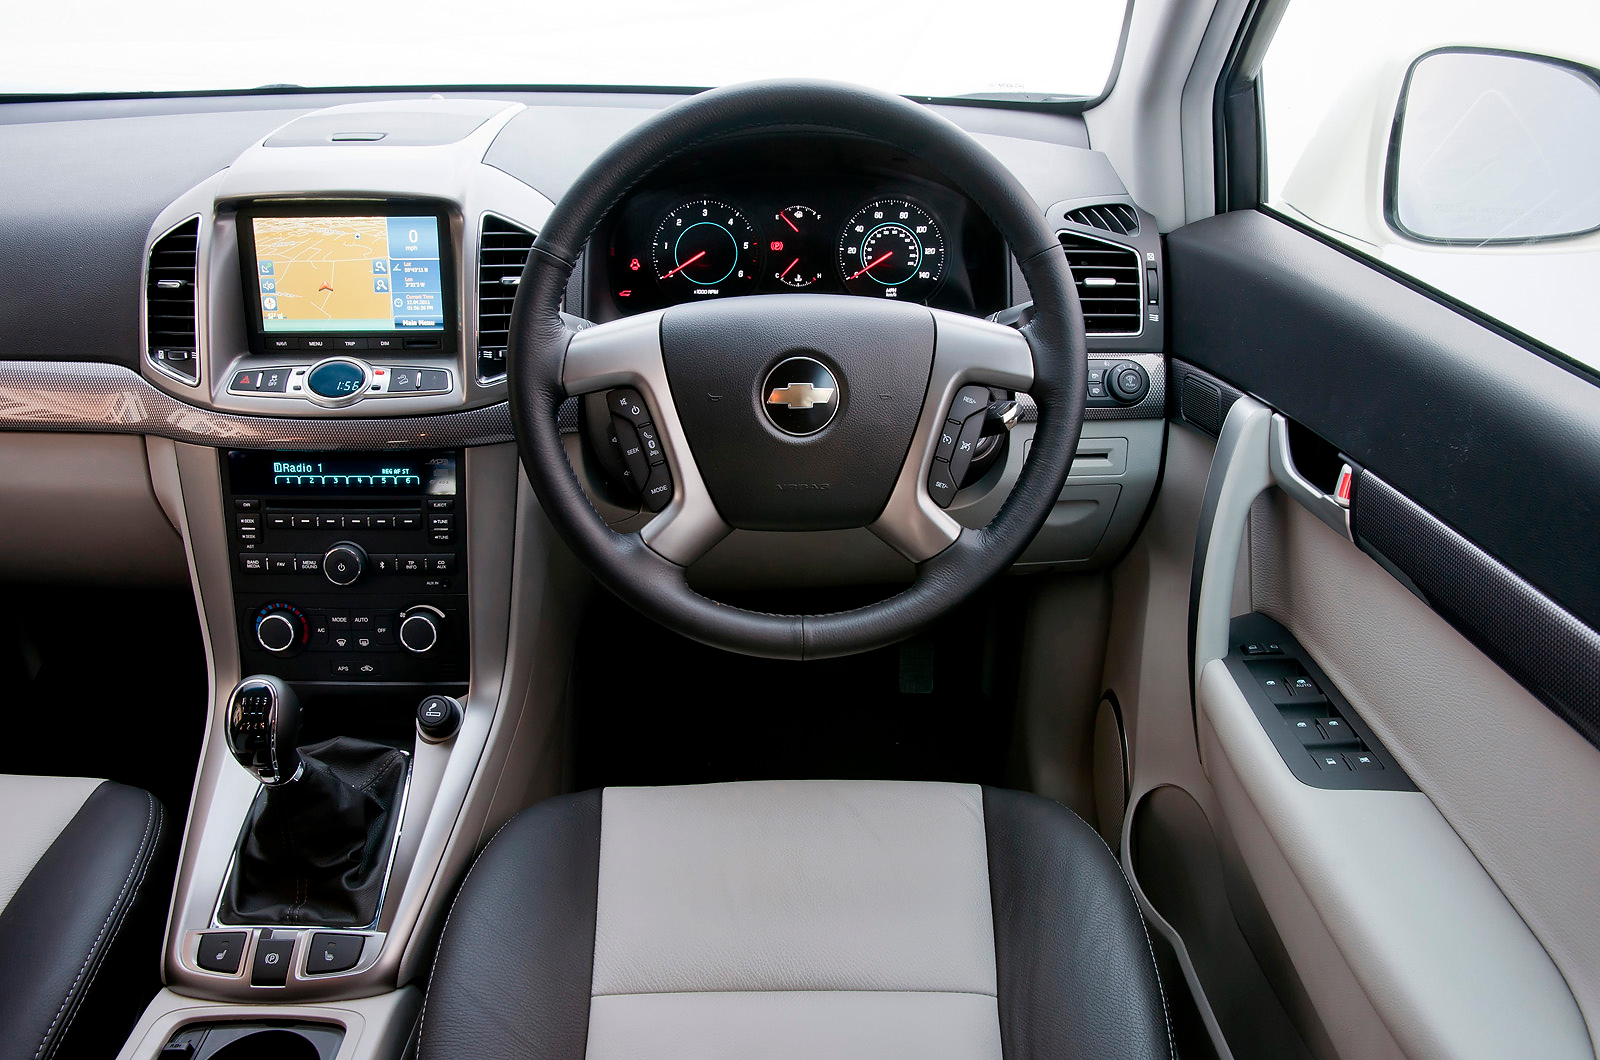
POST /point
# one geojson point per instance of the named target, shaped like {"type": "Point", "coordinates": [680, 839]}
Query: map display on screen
{"type": "Point", "coordinates": [358, 274]}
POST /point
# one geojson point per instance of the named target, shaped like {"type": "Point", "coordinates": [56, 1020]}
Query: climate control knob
{"type": "Point", "coordinates": [420, 627]}
{"type": "Point", "coordinates": [280, 628]}
{"type": "Point", "coordinates": [344, 563]}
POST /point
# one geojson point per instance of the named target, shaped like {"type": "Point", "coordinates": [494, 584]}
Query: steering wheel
{"type": "Point", "coordinates": [725, 386]}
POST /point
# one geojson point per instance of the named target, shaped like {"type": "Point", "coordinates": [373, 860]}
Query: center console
{"type": "Point", "coordinates": [350, 567]}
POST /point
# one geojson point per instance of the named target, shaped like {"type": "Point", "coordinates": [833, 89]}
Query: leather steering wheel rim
{"type": "Point", "coordinates": [541, 336]}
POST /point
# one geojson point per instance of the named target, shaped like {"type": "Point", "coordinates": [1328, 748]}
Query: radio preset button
{"type": "Point", "coordinates": [305, 522]}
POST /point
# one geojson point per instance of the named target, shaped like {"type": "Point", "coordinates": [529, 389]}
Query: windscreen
{"type": "Point", "coordinates": [1029, 49]}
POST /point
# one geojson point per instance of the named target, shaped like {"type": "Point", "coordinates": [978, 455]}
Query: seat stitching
{"type": "Point", "coordinates": [150, 816]}
{"type": "Point", "coordinates": [422, 1019]}
{"type": "Point", "coordinates": [1166, 1014]}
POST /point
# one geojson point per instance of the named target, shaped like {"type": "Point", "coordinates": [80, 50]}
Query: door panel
{"type": "Point", "coordinates": [1455, 610]}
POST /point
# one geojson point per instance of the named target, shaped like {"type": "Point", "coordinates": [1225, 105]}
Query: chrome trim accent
{"type": "Point", "coordinates": [627, 352]}
{"type": "Point", "coordinates": [966, 350]}
{"type": "Point", "coordinates": [199, 310]}
{"type": "Point", "coordinates": [109, 399]}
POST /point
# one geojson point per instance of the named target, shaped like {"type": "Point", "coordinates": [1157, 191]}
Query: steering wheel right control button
{"type": "Point", "coordinates": [637, 441]}
{"type": "Point", "coordinates": [957, 443]}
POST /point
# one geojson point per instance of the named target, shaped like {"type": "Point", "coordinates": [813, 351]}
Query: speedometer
{"type": "Point", "coordinates": [704, 249]}
{"type": "Point", "coordinates": [893, 249]}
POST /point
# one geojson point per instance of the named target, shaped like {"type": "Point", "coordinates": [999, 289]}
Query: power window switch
{"type": "Point", "coordinates": [1305, 690]}
{"type": "Point", "coordinates": [1363, 761]}
{"type": "Point", "coordinates": [1330, 761]}
{"type": "Point", "coordinates": [1277, 689]}
{"type": "Point", "coordinates": [1336, 730]}
{"type": "Point", "coordinates": [1306, 729]}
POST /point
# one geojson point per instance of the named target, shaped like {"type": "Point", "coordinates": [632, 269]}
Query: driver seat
{"type": "Point", "coordinates": [795, 920]}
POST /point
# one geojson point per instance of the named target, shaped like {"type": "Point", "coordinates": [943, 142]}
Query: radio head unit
{"type": "Point", "coordinates": [348, 276]}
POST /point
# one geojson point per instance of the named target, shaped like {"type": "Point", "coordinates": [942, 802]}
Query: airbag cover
{"type": "Point", "coordinates": [719, 356]}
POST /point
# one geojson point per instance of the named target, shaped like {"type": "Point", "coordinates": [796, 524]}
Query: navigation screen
{"type": "Point", "coordinates": [332, 274]}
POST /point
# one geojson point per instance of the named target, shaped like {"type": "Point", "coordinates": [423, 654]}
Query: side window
{"type": "Point", "coordinates": [1457, 141]}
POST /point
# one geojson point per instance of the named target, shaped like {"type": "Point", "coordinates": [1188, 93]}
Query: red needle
{"type": "Point", "coordinates": [874, 263]}
{"type": "Point", "coordinates": [685, 265]}
{"type": "Point", "coordinates": [788, 222]}
{"type": "Point", "coordinates": [791, 265]}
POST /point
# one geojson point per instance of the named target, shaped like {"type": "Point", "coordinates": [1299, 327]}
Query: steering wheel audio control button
{"type": "Point", "coordinates": [941, 484]}
{"type": "Point", "coordinates": [630, 406]}
{"type": "Point", "coordinates": [632, 450]}
{"type": "Point", "coordinates": [658, 488]}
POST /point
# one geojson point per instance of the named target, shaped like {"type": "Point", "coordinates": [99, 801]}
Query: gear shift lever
{"type": "Point", "coordinates": [316, 844]}
{"type": "Point", "coordinates": [263, 724]}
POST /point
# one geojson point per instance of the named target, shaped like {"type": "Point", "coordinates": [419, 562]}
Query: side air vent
{"type": "Point", "coordinates": [169, 303]}
{"type": "Point", "coordinates": [1108, 278]}
{"type": "Point", "coordinates": [502, 252]}
{"type": "Point", "coordinates": [1118, 218]}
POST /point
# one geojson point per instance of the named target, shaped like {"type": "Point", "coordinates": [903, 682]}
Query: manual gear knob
{"type": "Point", "coordinates": [262, 725]}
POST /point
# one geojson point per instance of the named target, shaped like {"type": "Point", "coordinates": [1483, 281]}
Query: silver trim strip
{"type": "Point", "coordinates": [110, 399]}
{"type": "Point", "coordinates": [1079, 232]}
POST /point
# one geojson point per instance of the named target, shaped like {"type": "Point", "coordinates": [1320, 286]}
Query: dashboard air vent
{"type": "Point", "coordinates": [502, 252]}
{"type": "Point", "coordinates": [169, 303]}
{"type": "Point", "coordinates": [1117, 218]}
{"type": "Point", "coordinates": [1108, 277]}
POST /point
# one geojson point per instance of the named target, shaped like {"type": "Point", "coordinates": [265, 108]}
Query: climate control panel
{"type": "Point", "coordinates": [349, 567]}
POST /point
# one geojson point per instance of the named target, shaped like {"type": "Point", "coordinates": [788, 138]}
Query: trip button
{"type": "Point", "coordinates": [333, 952]}
{"type": "Point", "coordinates": [221, 951]}
{"type": "Point", "coordinates": [271, 966]}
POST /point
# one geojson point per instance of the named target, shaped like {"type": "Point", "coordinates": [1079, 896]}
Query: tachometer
{"type": "Point", "coordinates": [704, 249]}
{"type": "Point", "coordinates": [893, 249]}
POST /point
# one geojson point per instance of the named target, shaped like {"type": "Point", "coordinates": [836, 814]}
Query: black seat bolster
{"type": "Point", "coordinates": [70, 931]}
{"type": "Point", "coordinates": [1077, 979]}
{"type": "Point", "coordinates": [511, 979]}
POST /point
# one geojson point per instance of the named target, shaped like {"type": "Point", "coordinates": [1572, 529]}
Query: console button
{"type": "Point", "coordinates": [249, 537]}
{"type": "Point", "coordinates": [444, 563]}
{"type": "Point", "coordinates": [434, 380]}
{"type": "Point", "coordinates": [367, 669]}
{"type": "Point", "coordinates": [384, 564]}
{"type": "Point", "coordinates": [402, 380]}
{"type": "Point", "coordinates": [280, 520]}
{"type": "Point", "coordinates": [941, 484]}
{"type": "Point", "coordinates": [271, 966]}
{"type": "Point", "coordinates": [221, 951]}
{"type": "Point", "coordinates": [305, 522]}
{"type": "Point", "coordinates": [338, 620]}
{"type": "Point", "coordinates": [273, 380]}
{"type": "Point", "coordinates": [317, 622]}
{"type": "Point", "coordinates": [349, 344]}
{"type": "Point", "coordinates": [382, 522]}
{"type": "Point", "coordinates": [281, 343]}
{"type": "Point", "coordinates": [247, 504]}
{"type": "Point", "coordinates": [313, 344]}
{"type": "Point", "coordinates": [440, 504]}
{"type": "Point", "coordinates": [361, 621]}
{"type": "Point", "coordinates": [383, 628]}
{"type": "Point", "coordinates": [333, 952]}
{"type": "Point", "coordinates": [253, 563]}
{"type": "Point", "coordinates": [308, 563]}
{"type": "Point", "coordinates": [356, 522]}
{"type": "Point", "coordinates": [408, 522]}
{"type": "Point", "coordinates": [383, 342]}
{"type": "Point", "coordinates": [413, 564]}
{"type": "Point", "coordinates": [280, 564]}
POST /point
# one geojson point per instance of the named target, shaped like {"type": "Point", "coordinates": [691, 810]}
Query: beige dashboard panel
{"type": "Point", "coordinates": [80, 508]}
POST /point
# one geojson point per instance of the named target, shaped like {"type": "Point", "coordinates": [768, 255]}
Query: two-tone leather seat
{"type": "Point", "coordinates": [789, 920]}
{"type": "Point", "coordinates": [80, 914]}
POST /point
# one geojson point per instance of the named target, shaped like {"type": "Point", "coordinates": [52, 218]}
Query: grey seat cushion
{"type": "Point", "coordinates": [795, 919]}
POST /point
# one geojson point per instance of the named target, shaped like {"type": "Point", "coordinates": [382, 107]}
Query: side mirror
{"type": "Point", "coordinates": [1494, 147]}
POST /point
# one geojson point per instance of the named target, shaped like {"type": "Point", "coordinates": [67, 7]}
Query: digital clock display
{"type": "Point", "coordinates": [302, 474]}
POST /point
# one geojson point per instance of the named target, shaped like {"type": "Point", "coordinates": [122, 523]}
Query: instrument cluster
{"type": "Point", "coordinates": [821, 215]}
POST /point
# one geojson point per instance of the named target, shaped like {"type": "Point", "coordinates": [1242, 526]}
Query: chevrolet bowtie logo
{"type": "Point", "coordinates": [801, 395]}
